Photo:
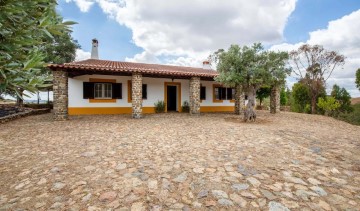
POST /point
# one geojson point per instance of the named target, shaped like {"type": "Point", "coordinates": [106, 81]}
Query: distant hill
{"type": "Point", "coordinates": [355, 100]}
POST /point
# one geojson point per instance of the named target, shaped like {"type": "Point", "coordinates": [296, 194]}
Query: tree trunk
{"type": "Point", "coordinates": [313, 104]}
{"type": "Point", "coordinates": [38, 97]}
{"type": "Point", "coordinates": [20, 100]}
{"type": "Point", "coordinates": [249, 114]}
{"type": "Point", "coordinates": [48, 98]}
{"type": "Point", "coordinates": [239, 100]}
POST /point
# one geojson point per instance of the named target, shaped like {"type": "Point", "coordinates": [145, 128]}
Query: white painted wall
{"type": "Point", "coordinates": [155, 91]}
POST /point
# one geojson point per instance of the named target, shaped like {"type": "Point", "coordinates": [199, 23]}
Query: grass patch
{"type": "Point", "coordinates": [353, 117]}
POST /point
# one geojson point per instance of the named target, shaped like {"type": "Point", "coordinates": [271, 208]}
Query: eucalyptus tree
{"type": "Point", "coordinates": [250, 68]}
{"type": "Point", "coordinates": [314, 65]}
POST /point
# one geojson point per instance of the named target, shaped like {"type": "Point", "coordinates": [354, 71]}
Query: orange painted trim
{"type": "Point", "coordinates": [106, 110]}
{"type": "Point", "coordinates": [232, 101]}
{"type": "Point", "coordinates": [102, 100]}
{"type": "Point", "coordinates": [129, 91]}
{"type": "Point", "coordinates": [102, 80]}
{"type": "Point", "coordinates": [178, 84]}
{"type": "Point", "coordinates": [217, 108]}
{"type": "Point", "coordinates": [214, 97]}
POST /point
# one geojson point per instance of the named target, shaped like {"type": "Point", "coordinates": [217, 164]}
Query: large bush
{"type": "Point", "coordinates": [328, 104]}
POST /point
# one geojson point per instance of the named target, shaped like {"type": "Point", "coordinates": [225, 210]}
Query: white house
{"type": "Point", "coordinates": [97, 86]}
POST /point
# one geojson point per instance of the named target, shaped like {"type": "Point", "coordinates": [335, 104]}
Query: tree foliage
{"type": "Point", "coordinates": [314, 65]}
{"type": "Point", "coordinates": [283, 97]}
{"type": "Point", "coordinates": [343, 97]}
{"type": "Point", "coordinates": [25, 30]}
{"type": "Point", "coordinates": [328, 104]}
{"type": "Point", "coordinates": [301, 97]}
{"type": "Point", "coordinates": [250, 67]}
{"type": "Point", "coordinates": [262, 93]}
{"type": "Point", "coordinates": [357, 78]}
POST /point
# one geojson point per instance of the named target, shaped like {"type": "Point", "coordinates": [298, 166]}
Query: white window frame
{"type": "Point", "coordinates": [103, 90]}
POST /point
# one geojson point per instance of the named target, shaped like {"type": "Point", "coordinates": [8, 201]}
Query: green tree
{"type": "Point", "coordinates": [301, 97]}
{"type": "Point", "coordinates": [283, 97]}
{"type": "Point", "coordinates": [314, 65]}
{"type": "Point", "coordinates": [250, 68]}
{"type": "Point", "coordinates": [262, 93]}
{"type": "Point", "coordinates": [357, 79]}
{"type": "Point", "coordinates": [25, 27]}
{"type": "Point", "coordinates": [343, 97]}
{"type": "Point", "coordinates": [328, 104]}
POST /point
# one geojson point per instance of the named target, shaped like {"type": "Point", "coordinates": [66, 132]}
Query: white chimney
{"type": "Point", "coordinates": [94, 49]}
{"type": "Point", "coordinates": [206, 65]}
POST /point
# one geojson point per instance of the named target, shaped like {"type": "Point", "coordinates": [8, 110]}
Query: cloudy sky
{"type": "Point", "coordinates": [185, 32]}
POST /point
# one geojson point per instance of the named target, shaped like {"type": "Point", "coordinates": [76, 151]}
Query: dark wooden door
{"type": "Point", "coordinates": [171, 98]}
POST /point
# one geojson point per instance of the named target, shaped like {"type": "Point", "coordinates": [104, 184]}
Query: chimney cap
{"type": "Point", "coordinates": [206, 62]}
{"type": "Point", "coordinates": [95, 40]}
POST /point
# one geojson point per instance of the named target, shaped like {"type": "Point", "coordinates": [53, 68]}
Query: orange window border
{"type": "Point", "coordinates": [104, 81]}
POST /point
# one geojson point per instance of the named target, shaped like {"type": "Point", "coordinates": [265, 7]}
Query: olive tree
{"type": "Point", "coordinates": [250, 68]}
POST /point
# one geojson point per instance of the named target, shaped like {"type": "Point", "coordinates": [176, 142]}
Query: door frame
{"type": "Point", "coordinates": [178, 87]}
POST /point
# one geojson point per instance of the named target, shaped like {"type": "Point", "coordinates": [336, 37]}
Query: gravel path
{"type": "Point", "coordinates": [177, 162]}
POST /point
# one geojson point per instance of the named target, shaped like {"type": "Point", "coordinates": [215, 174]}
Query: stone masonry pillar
{"type": "Point", "coordinates": [239, 100]}
{"type": "Point", "coordinates": [275, 99]}
{"type": "Point", "coordinates": [60, 89]}
{"type": "Point", "coordinates": [195, 95]}
{"type": "Point", "coordinates": [136, 95]}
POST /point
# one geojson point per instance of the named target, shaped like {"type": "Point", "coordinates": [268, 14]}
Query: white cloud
{"type": "Point", "coordinates": [84, 5]}
{"type": "Point", "coordinates": [82, 55]}
{"type": "Point", "coordinates": [342, 36]}
{"type": "Point", "coordinates": [192, 29]}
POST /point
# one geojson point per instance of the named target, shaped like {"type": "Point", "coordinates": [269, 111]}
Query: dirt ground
{"type": "Point", "coordinates": [286, 161]}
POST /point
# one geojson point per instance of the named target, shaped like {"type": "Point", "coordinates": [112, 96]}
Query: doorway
{"type": "Point", "coordinates": [171, 98]}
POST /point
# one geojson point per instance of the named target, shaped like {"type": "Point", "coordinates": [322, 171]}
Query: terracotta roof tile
{"type": "Point", "coordinates": [129, 67]}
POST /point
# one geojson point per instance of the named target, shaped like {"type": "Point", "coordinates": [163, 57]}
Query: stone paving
{"type": "Point", "coordinates": [175, 161]}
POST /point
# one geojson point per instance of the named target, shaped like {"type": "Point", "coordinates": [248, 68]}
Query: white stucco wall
{"type": "Point", "coordinates": [155, 91]}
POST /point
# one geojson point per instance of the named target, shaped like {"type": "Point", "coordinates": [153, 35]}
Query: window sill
{"type": "Point", "coordinates": [102, 100]}
{"type": "Point", "coordinates": [217, 101]}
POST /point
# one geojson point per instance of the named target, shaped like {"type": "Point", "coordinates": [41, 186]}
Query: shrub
{"type": "Point", "coordinates": [283, 97]}
{"type": "Point", "coordinates": [343, 97]}
{"type": "Point", "coordinates": [328, 104]}
{"type": "Point", "coordinates": [159, 106]}
{"type": "Point", "coordinates": [185, 106]}
{"type": "Point", "coordinates": [353, 117]}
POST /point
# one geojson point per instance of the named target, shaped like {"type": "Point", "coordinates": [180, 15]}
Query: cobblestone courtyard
{"type": "Point", "coordinates": [178, 162]}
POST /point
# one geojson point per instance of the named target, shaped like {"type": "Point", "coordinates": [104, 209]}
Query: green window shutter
{"type": "Point", "coordinates": [203, 93]}
{"type": "Point", "coordinates": [144, 91]}
{"type": "Point", "coordinates": [116, 91]}
{"type": "Point", "coordinates": [88, 90]}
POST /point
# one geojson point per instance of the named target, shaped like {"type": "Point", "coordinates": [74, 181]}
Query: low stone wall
{"type": "Point", "coordinates": [27, 112]}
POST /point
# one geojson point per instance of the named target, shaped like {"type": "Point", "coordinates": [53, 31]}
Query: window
{"type": "Point", "coordinates": [103, 90]}
{"type": "Point", "coordinates": [223, 93]}
{"type": "Point", "coordinates": [203, 93]}
{"type": "Point", "coordinates": [144, 91]}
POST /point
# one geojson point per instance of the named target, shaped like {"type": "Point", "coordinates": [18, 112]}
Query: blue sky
{"type": "Point", "coordinates": [185, 32]}
{"type": "Point", "coordinates": [116, 39]}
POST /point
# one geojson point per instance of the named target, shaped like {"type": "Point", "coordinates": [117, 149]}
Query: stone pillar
{"type": "Point", "coordinates": [239, 100]}
{"type": "Point", "coordinates": [195, 95]}
{"type": "Point", "coordinates": [60, 89]}
{"type": "Point", "coordinates": [136, 95]}
{"type": "Point", "coordinates": [275, 99]}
